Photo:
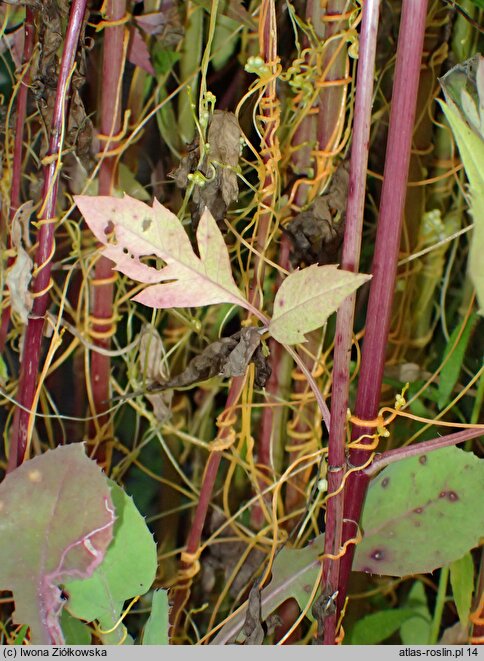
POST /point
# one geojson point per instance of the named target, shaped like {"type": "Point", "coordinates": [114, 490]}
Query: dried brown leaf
{"type": "Point", "coordinates": [252, 628]}
{"type": "Point", "coordinates": [20, 275]}
{"type": "Point", "coordinates": [226, 357]}
{"type": "Point", "coordinates": [221, 188]}
{"type": "Point", "coordinates": [317, 233]}
{"type": "Point", "coordinates": [151, 356]}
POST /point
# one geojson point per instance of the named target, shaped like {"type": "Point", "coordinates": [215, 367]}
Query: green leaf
{"type": "Point", "coordinates": [420, 513]}
{"type": "Point", "coordinates": [20, 637]}
{"type": "Point", "coordinates": [462, 581]}
{"type": "Point", "coordinates": [459, 84]}
{"type": "Point", "coordinates": [56, 522]}
{"type": "Point", "coordinates": [130, 185]}
{"type": "Point", "coordinates": [224, 41]}
{"type": "Point", "coordinates": [156, 627]}
{"type": "Point", "coordinates": [3, 371]}
{"type": "Point", "coordinates": [129, 567]}
{"type": "Point", "coordinates": [294, 574]}
{"type": "Point", "coordinates": [75, 631]}
{"type": "Point", "coordinates": [451, 370]}
{"type": "Point", "coordinates": [416, 630]}
{"type": "Point", "coordinates": [307, 297]}
{"type": "Point", "coordinates": [377, 627]}
{"type": "Point", "coordinates": [163, 59]}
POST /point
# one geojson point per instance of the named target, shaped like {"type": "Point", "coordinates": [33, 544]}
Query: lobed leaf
{"type": "Point", "coordinates": [56, 523]}
{"type": "Point", "coordinates": [306, 298]}
{"type": "Point", "coordinates": [131, 230]}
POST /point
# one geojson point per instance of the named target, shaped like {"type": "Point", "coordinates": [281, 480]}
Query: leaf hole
{"type": "Point", "coordinates": [152, 262]}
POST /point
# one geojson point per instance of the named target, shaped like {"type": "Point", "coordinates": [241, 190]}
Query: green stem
{"type": "Point", "coordinates": [206, 56]}
{"type": "Point", "coordinates": [439, 606]}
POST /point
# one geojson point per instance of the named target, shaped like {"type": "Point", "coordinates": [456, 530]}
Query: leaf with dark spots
{"type": "Point", "coordinates": [56, 523]}
{"type": "Point", "coordinates": [426, 515]}
{"type": "Point", "coordinates": [252, 629]}
{"type": "Point", "coordinates": [317, 233]}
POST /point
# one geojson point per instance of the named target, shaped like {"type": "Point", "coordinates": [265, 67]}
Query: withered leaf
{"type": "Point", "coordinates": [19, 276]}
{"type": "Point", "coordinates": [317, 233]}
{"type": "Point", "coordinates": [226, 357]}
{"type": "Point", "coordinates": [151, 357]}
{"type": "Point", "coordinates": [243, 352]}
{"type": "Point", "coordinates": [252, 628]}
{"type": "Point", "coordinates": [221, 188]}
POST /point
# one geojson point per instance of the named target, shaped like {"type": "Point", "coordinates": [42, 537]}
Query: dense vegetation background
{"type": "Point", "coordinates": [247, 108]}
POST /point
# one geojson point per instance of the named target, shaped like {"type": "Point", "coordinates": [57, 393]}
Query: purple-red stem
{"type": "Point", "coordinates": [46, 245]}
{"type": "Point", "coordinates": [182, 592]}
{"type": "Point", "coordinates": [18, 149]}
{"type": "Point", "coordinates": [404, 100]}
{"type": "Point", "coordinates": [268, 45]}
{"type": "Point", "coordinates": [391, 456]}
{"type": "Point", "coordinates": [102, 322]}
{"type": "Point", "coordinates": [345, 317]}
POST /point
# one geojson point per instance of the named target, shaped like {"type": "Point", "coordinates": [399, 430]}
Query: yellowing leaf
{"type": "Point", "coordinates": [130, 230]}
{"type": "Point", "coordinates": [306, 298]}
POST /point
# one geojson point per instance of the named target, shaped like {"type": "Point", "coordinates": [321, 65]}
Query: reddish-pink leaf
{"type": "Point", "coordinates": [138, 53]}
{"type": "Point", "coordinates": [131, 230]}
{"type": "Point", "coordinates": [56, 523]}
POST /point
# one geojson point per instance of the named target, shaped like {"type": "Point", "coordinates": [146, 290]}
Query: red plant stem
{"type": "Point", "coordinates": [270, 119]}
{"type": "Point", "coordinates": [317, 128]}
{"type": "Point", "coordinates": [391, 456]}
{"type": "Point", "coordinates": [46, 244]}
{"type": "Point", "coordinates": [405, 88]}
{"type": "Point", "coordinates": [332, 96]}
{"type": "Point", "coordinates": [269, 116]}
{"type": "Point", "coordinates": [102, 323]}
{"type": "Point", "coordinates": [345, 317]}
{"type": "Point", "coordinates": [182, 591]}
{"type": "Point", "coordinates": [267, 39]}
{"type": "Point", "coordinates": [18, 149]}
